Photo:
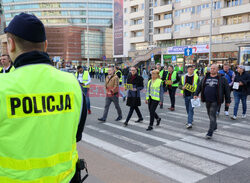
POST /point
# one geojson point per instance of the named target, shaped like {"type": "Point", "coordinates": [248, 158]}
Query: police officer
{"type": "Point", "coordinates": [40, 110]}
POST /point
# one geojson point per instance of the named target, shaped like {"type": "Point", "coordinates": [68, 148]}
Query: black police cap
{"type": "Point", "coordinates": [27, 27]}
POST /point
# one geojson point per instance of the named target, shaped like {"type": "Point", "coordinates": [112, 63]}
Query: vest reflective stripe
{"type": "Point", "coordinates": [154, 90]}
{"type": "Point", "coordinates": [85, 78]}
{"type": "Point", "coordinates": [46, 150]}
{"type": "Point", "coordinates": [195, 83]}
{"type": "Point", "coordinates": [173, 78]}
{"type": "Point", "coordinates": [120, 79]}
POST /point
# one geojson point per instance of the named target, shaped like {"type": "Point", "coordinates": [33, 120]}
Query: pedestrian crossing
{"type": "Point", "coordinates": [170, 150]}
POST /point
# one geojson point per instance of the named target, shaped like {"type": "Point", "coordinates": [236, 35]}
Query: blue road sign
{"type": "Point", "coordinates": [188, 51]}
{"type": "Point", "coordinates": [174, 58]}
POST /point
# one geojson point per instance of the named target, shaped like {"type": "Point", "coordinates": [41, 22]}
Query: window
{"type": "Point", "coordinates": [167, 16]}
{"type": "Point", "coordinates": [177, 1]}
{"type": "Point", "coordinates": [198, 9]}
{"type": "Point", "coordinates": [167, 30]}
{"type": "Point", "coordinates": [156, 2]}
{"type": "Point", "coordinates": [142, 6]}
{"type": "Point", "coordinates": [138, 34]}
{"type": "Point", "coordinates": [193, 10]}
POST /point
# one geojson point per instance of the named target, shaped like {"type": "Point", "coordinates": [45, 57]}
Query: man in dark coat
{"type": "Point", "coordinates": [135, 85]}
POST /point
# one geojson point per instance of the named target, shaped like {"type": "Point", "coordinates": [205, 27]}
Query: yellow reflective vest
{"type": "Point", "coordinates": [195, 83]}
{"type": "Point", "coordinates": [39, 120]}
{"type": "Point", "coordinates": [173, 78]}
{"type": "Point", "coordinates": [153, 90]}
{"type": "Point", "coordinates": [85, 78]}
{"type": "Point", "coordinates": [120, 79]}
{"type": "Point", "coordinates": [11, 69]}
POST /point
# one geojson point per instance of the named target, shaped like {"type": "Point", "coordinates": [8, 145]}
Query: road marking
{"type": "Point", "coordinates": [97, 107]}
{"type": "Point", "coordinates": [129, 140]}
{"type": "Point", "coordinates": [187, 160]}
{"type": "Point", "coordinates": [218, 146]}
{"type": "Point", "coordinates": [139, 133]}
{"type": "Point", "coordinates": [203, 152]}
{"type": "Point", "coordinates": [165, 168]}
{"type": "Point", "coordinates": [105, 145]}
{"type": "Point", "coordinates": [241, 125]}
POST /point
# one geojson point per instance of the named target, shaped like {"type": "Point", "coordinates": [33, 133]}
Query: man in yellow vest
{"type": "Point", "coordinates": [188, 85]}
{"type": "Point", "coordinates": [42, 110]}
{"type": "Point", "coordinates": [118, 72]}
{"type": "Point", "coordinates": [172, 80]}
{"type": "Point", "coordinates": [7, 64]}
{"type": "Point", "coordinates": [84, 79]}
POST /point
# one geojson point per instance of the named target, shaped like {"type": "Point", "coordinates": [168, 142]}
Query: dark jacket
{"type": "Point", "coordinates": [223, 89]}
{"type": "Point", "coordinates": [125, 71]}
{"type": "Point", "coordinates": [134, 97]}
{"type": "Point", "coordinates": [245, 79]}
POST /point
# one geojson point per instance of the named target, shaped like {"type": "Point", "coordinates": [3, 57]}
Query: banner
{"type": "Point", "coordinates": [204, 48]}
{"type": "Point", "coordinates": [118, 27]}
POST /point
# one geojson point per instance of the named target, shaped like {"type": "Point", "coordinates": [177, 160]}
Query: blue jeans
{"type": "Point", "coordinates": [86, 92]}
{"type": "Point", "coordinates": [125, 79]}
{"type": "Point", "coordinates": [237, 97]}
{"type": "Point", "coordinates": [189, 109]}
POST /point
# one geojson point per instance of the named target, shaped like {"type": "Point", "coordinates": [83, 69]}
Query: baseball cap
{"type": "Point", "coordinates": [27, 27]}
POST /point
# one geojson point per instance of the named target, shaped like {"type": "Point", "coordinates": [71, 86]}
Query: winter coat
{"type": "Point", "coordinates": [134, 97]}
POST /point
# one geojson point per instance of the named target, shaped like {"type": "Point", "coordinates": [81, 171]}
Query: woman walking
{"type": "Point", "coordinates": [154, 96]}
{"type": "Point", "coordinates": [135, 85]}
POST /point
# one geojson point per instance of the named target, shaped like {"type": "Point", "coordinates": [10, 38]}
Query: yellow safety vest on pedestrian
{"type": "Point", "coordinates": [85, 78]}
{"type": "Point", "coordinates": [11, 69]}
{"type": "Point", "coordinates": [173, 78]}
{"type": "Point", "coordinates": [120, 79]}
{"type": "Point", "coordinates": [39, 122]}
{"type": "Point", "coordinates": [154, 90]}
{"type": "Point", "coordinates": [191, 88]}
{"type": "Point", "coordinates": [106, 70]}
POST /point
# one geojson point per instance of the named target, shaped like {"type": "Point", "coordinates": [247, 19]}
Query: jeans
{"type": "Point", "coordinates": [152, 106]}
{"type": "Point", "coordinates": [86, 92]}
{"type": "Point", "coordinates": [226, 107]}
{"type": "Point", "coordinates": [131, 110]}
{"type": "Point", "coordinates": [172, 92]}
{"type": "Point", "coordinates": [108, 101]}
{"type": "Point", "coordinates": [211, 111]}
{"type": "Point", "coordinates": [121, 93]}
{"type": "Point", "coordinates": [189, 109]}
{"type": "Point", "coordinates": [101, 77]}
{"type": "Point", "coordinates": [125, 79]}
{"type": "Point", "coordinates": [237, 97]}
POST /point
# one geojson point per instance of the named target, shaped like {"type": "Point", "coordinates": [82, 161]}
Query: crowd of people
{"type": "Point", "coordinates": [214, 88]}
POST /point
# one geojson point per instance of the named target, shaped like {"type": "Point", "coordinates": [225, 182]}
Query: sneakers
{"type": "Point", "coordinates": [189, 125]}
{"type": "Point", "coordinates": [233, 117]}
{"type": "Point", "coordinates": [226, 113]}
{"type": "Point", "coordinates": [244, 116]}
{"type": "Point", "coordinates": [171, 108]}
{"type": "Point", "coordinates": [158, 122]}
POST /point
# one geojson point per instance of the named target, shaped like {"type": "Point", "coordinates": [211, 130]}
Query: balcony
{"type": "Point", "coordinates": [136, 27]}
{"type": "Point", "coordinates": [163, 23]}
{"type": "Point", "coordinates": [134, 3]}
{"type": "Point", "coordinates": [163, 36]}
{"type": "Point", "coordinates": [137, 39]}
{"type": "Point", "coordinates": [163, 9]}
{"type": "Point", "coordinates": [185, 17]}
{"type": "Point", "coordinates": [137, 14]}
{"type": "Point", "coordinates": [235, 28]}
{"type": "Point", "coordinates": [235, 10]}
{"type": "Point", "coordinates": [186, 3]}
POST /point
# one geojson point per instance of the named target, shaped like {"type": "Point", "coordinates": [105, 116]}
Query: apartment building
{"type": "Point", "coordinates": [161, 24]}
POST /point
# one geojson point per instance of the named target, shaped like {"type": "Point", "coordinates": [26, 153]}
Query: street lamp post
{"type": "Point", "coordinates": [210, 33]}
{"type": "Point", "coordinates": [88, 33]}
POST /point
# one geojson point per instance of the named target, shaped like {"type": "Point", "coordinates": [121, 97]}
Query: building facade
{"type": "Point", "coordinates": [156, 26]}
{"type": "Point", "coordinates": [66, 25]}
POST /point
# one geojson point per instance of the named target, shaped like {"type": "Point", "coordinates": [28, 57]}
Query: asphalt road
{"type": "Point", "coordinates": [169, 153]}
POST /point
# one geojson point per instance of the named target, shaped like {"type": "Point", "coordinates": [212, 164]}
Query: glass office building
{"type": "Point", "coordinates": [63, 12]}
